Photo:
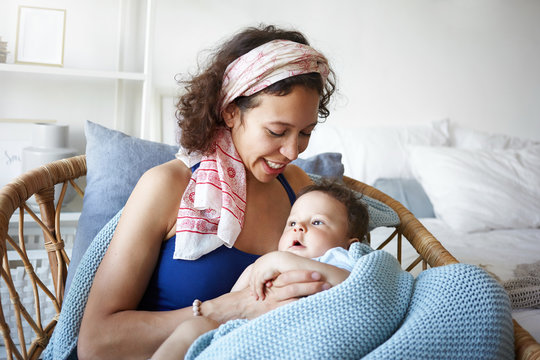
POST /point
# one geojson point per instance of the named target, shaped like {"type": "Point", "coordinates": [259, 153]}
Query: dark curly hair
{"type": "Point", "coordinates": [357, 213]}
{"type": "Point", "coordinates": [198, 111]}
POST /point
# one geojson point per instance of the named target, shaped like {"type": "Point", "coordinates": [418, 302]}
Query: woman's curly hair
{"type": "Point", "coordinates": [198, 111]}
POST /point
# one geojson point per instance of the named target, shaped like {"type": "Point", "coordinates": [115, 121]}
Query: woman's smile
{"type": "Point", "coordinates": [274, 165]}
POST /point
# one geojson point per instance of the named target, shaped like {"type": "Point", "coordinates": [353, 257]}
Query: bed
{"type": "Point", "coordinates": [476, 192]}
{"type": "Point", "coordinates": [32, 327]}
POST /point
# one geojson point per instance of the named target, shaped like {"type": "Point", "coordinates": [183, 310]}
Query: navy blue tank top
{"type": "Point", "coordinates": [176, 283]}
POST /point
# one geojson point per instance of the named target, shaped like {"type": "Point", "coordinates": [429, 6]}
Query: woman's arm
{"type": "Point", "coordinates": [271, 265]}
{"type": "Point", "coordinates": [111, 326]}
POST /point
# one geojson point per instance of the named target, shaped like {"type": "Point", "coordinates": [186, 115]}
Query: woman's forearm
{"type": "Point", "coordinates": [129, 334]}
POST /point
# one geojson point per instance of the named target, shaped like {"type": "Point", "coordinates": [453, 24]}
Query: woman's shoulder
{"type": "Point", "coordinates": [171, 175]}
{"type": "Point", "coordinates": [296, 177]}
{"type": "Point", "coordinates": [158, 193]}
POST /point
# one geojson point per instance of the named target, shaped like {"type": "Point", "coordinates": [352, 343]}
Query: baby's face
{"type": "Point", "coordinates": [317, 223]}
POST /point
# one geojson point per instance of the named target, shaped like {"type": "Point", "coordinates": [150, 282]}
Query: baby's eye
{"type": "Point", "coordinates": [317, 222]}
{"type": "Point", "coordinates": [292, 223]}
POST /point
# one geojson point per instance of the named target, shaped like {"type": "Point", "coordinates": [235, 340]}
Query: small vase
{"type": "Point", "coordinates": [49, 144]}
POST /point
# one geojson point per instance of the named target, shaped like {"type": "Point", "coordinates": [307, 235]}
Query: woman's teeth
{"type": "Point", "coordinates": [274, 165]}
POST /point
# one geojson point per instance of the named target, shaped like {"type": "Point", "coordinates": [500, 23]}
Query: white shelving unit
{"type": "Point", "coordinates": [106, 76]}
{"type": "Point", "coordinates": [60, 71]}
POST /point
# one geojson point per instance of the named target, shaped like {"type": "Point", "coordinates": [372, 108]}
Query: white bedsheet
{"type": "Point", "coordinates": [497, 251]}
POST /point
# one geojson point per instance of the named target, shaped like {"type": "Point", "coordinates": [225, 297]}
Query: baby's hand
{"type": "Point", "coordinates": [263, 273]}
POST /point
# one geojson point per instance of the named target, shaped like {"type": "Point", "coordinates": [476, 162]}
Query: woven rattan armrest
{"type": "Point", "coordinates": [40, 182]}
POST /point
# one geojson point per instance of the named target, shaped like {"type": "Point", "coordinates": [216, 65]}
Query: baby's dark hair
{"type": "Point", "coordinates": [198, 109]}
{"type": "Point", "coordinates": [357, 213]}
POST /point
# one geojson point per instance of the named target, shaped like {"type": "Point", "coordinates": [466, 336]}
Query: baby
{"type": "Point", "coordinates": [324, 221]}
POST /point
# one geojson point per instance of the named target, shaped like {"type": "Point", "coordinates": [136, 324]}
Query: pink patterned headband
{"type": "Point", "coordinates": [267, 64]}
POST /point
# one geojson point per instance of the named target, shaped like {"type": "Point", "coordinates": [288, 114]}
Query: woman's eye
{"type": "Point", "coordinates": [276, 134]}
{"type": "Point", "coordinates": [306, 134]}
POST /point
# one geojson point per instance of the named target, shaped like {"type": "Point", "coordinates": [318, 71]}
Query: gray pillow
{"type": "Point", "coordinates": [115, 162]}
{"type": "Point", "coordinates": [327, 165]}
{"type": "Point", "coordinates": [409, 192]}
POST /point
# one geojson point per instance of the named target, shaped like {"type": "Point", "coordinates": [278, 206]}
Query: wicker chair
{"type": "Point", "coordinates": [27, 315]}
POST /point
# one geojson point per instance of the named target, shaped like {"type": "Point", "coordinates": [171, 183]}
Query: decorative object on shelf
{"type": "Point", "coordinates": [49, 143]}
{"type": "Point", "coordinates": [3, 51]}
{"type": "Point", "coordinates": [40, 36]}
{"type": "Point", "coordinates": [13, 139]}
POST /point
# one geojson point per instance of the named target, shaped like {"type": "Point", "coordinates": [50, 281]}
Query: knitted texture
{"type": "Point", "coordinates": [524, 289]}
{"type": "Point", "coordinates": [457, 312]}
{"type": "Point", "coordinates": [345, 322]}
{"type": "Point", "coordinates": [454, 312]}
{"type": "Point", "coordinates": [64, 338]}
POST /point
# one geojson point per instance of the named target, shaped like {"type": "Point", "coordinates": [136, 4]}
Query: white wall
{"type": "Point", "coordinates": [475, 62]}
{"type": "Point", "coordinates": [398, 62]}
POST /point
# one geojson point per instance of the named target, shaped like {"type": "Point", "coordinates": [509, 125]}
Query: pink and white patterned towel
{"type": "Point", "coordinates": [213, 206]}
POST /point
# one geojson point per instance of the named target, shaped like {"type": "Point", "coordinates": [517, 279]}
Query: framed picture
{"type": "Point", "coordinates": [40, 36]}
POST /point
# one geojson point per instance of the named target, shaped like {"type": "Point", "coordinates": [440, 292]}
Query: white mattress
{"type": "Point", "coordinates": [497, 251]}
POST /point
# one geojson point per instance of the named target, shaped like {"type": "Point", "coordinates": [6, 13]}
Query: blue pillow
{"type": "Point", "coordinates": [409, 192]}
{"type": "Point", "coordinates": [115, 162]}
{"type": "Point", "coordinates": [327, 165]}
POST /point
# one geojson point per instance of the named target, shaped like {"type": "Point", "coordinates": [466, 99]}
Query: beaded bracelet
{"type": "Point", "coordinates": [197, 307]}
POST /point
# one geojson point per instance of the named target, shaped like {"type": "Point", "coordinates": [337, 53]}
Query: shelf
{"type": "Point", "coordinates": [65, 216]}
{"type": "Point", "coordinates": [51, 70]}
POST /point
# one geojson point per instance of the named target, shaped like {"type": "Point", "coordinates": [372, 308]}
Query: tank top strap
{"type": "Point", "coordinates": [288, 188]}
{"type": "Point", "coordinates": [195, 167]}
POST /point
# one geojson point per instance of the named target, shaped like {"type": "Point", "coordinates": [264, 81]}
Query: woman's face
{"type": "Point", "coordinates": [272, 134]}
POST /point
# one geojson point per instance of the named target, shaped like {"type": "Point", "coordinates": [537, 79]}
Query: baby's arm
{"type": "Point", "coordinates": [177, 344]}
{"type": "Point", "coordinates": [243, 280]}
{"type": "Point", "coordinates": [269, 266]}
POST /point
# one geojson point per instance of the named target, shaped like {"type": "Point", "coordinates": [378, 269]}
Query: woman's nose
{"type": "Point", "coordinates": [290, 148]}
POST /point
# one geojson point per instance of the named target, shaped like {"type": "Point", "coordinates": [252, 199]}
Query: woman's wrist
{"type": "Point", "coordinates": [217, 309]}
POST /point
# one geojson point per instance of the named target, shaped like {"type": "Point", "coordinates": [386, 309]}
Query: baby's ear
{"type": "Point", "coordinates": [353, 240]}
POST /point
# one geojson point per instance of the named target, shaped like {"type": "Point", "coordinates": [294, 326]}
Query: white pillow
{"type": "Point", "coordinates": [462, 137]}
{"type": "Point", "coordinates": [370, 153]}
{"type": "Point", "coordinates": [479, 190]}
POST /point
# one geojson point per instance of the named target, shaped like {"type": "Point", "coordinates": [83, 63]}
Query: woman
{"type": "Point", "coordinates": [245, 117]}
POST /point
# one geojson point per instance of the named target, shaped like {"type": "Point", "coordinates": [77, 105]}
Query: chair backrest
{"type": "Point", "coordinates": [33, 280]}
{"type": "Point", "coordinates": [26, 323]}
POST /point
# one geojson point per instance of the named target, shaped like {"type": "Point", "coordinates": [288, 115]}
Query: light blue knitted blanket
{"type": "Point", "coordinates": [379, 312]}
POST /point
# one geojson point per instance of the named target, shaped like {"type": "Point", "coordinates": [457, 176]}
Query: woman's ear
{"type": "Point", "coordinates": [229, 114]}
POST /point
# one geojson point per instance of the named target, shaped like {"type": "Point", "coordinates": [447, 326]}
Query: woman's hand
{"type": "Point", "coordinates": [286, 288]}
{"type": "Point", "coordinates": [268, 267]}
